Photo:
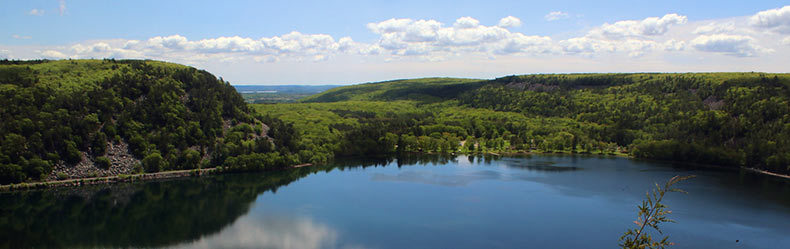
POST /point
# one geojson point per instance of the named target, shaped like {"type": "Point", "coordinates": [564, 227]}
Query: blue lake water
{"type": "Point", "coordinates": [414, 202]}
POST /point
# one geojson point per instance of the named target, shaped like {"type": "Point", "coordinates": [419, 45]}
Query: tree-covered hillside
{"type": "Point", "coordinates": [726, 119]}
{"type": "Point", "coordinates": [427, 89]}
{"type": "Point", "coordinates": [119, 116]}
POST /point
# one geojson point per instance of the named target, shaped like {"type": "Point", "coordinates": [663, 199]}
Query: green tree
{"type": "Point", "coordinates": [153, 162]}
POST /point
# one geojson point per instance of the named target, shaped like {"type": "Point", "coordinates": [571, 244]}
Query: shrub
{"type": "Point", "coordinates": [137, 168]}
{"type": "Point", "coordinates": [62, 176]}
{"type": "Point", "coordinates": [153, 162]}
{"type": "Point", "coordinates": [103, 162]}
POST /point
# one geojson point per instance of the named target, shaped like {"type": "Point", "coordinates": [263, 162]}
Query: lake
{"type": "Point", "coordinates": [539, 201]}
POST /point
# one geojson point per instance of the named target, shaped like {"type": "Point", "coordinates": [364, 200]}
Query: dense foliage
{"type": "Point", "coordinates": [171, 116]}
{"type": "Point", "coordinates": [726, 119]}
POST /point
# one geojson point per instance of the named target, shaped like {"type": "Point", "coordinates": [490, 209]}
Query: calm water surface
{"type": "Point", "coordinates": [414, 202]}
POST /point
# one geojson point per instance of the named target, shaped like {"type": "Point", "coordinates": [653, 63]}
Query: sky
{"type": "Point", "coordinates": [346, 42]}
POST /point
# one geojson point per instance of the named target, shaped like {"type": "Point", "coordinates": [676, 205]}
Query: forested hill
{"type": "Point", "coordinates": [80, 118]}
{"type": "Point", "coordinates": [726, 119]}
{"type": "Point", "coordinates": [426, 89]}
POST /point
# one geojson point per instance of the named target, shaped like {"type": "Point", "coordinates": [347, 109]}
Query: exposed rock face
{"type": "Point", "coordinates": [536, 87]}
{"type": "Point", "coordinates": [713, 103]}
{"type": "Point", "coordinates": [122, 162]}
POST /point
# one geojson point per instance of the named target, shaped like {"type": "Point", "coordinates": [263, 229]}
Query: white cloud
{"type": "Point", "coordinates": [520, 43]}
{"type": "Point", "coordinates": [297, 46]}
{"type": "Point", "coordinates": [21, 37]}
{"type": "Point", "coordinates": [777, 20]}
{"type": "Point", "coordinates": [62, 7]}
{"type": "Point", "coordinates": [398, 39]}
{"type": "Point", "coordinates": [556, 15]}
{"type": "Point", "coordinates": [296, 42]}
{"type": "Point", "coordinates": [633, 38]}
{"type": "Point", "coordinates": [52, 54]}
{"type": "Point", "coordinates": [674, 45]}
{"type": "Point", "coordinates": [405, 37]}
{"type": "Point", "coordinates": [169, 42]}
{"type": "Point", "coordinates": [715, 28]}
{"type": "Point", "coordinates": [509, 22]}
{"type": "Point", "coordinates": [5, 54]}
{"type": "Point", "coordinates": [651, 26]}
{"type": "Point", "coordinates": [466, 23]}
{"type": "Point", "coordinates": [734, 45]}
{"type": "Point", "coordinates": [104, 50]}
{"type": "Point", "coordinates": [586, 46]}
{"type": "Point", "coordinates": [36, 12]}
{"type": "Point", "coordinates": [637, 48]}
{"type": "Point", "coordinates": [406, 30]}
{"type": "Point", "coordinates": [471, 36]}
{"type": "Point", "coordinates": [664, 42]}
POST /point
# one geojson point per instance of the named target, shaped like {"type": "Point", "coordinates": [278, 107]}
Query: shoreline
{"type": "Point", "coordinates": [766, 172]}
{"type": "Point", "coordinates": [121, 178]}
{"type": "Point", "coordinates": [753, 170]}
{"type": "Point", "coordinates": [217, 170]}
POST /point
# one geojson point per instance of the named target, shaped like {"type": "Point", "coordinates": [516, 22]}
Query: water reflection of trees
{"type": "Point", "coordinates": [400, 160]}
{"type": "Point", "coordinates": [149, 214]}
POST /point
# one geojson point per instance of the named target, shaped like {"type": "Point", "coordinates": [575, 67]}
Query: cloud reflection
{"type": "Point", "coordinates": [269, 232]}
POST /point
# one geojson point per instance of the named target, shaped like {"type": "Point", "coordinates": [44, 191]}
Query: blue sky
{"type": "Point", "coordinates": [320, 42]}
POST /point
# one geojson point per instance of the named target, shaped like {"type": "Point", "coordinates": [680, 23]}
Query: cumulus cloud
{"type": "Point", "coordinates": [466, 23]}
{"type": "Point", "coordinates": [556, 15]}
{"type": "Point", "coordinates": [634, 38]}
{"type": "Point", "coordinates": [520, 43]}
{"type": "Point", "coordinates": [405, 30]}
{"type": "Point", "coordinates": [776, 20]}
{"type": "Point", "coordinates": [104, 50]}
{"type": "Point", "coordinates": [427, 40]}
{"type": "Point", "coordinates": [52, 54]}
{"type": "Point", "coordinates": [408, 37]}
{"type": "Point", "coordinates": [296, 46]}
{"type": "Point", "coordinates": [471, 36]}
{"type": "Point", "coordinates": [651, 26]}
{"type": "Point", "coordinates": [674, 45]}
{"type": "Point", "coordinates": [509, 22]}
{"type": "Point", "coordinates": [734, 45]}
{"type": "Point", "coordinates": [585, 46]}
{"type": "Point", "coordinates": [715, 28]}
{"type": "Point", "coordinates": [36, 12]}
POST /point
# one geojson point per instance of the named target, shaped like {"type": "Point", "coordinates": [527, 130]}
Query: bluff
{"type": "Point", "coordinates": [81, 118]}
